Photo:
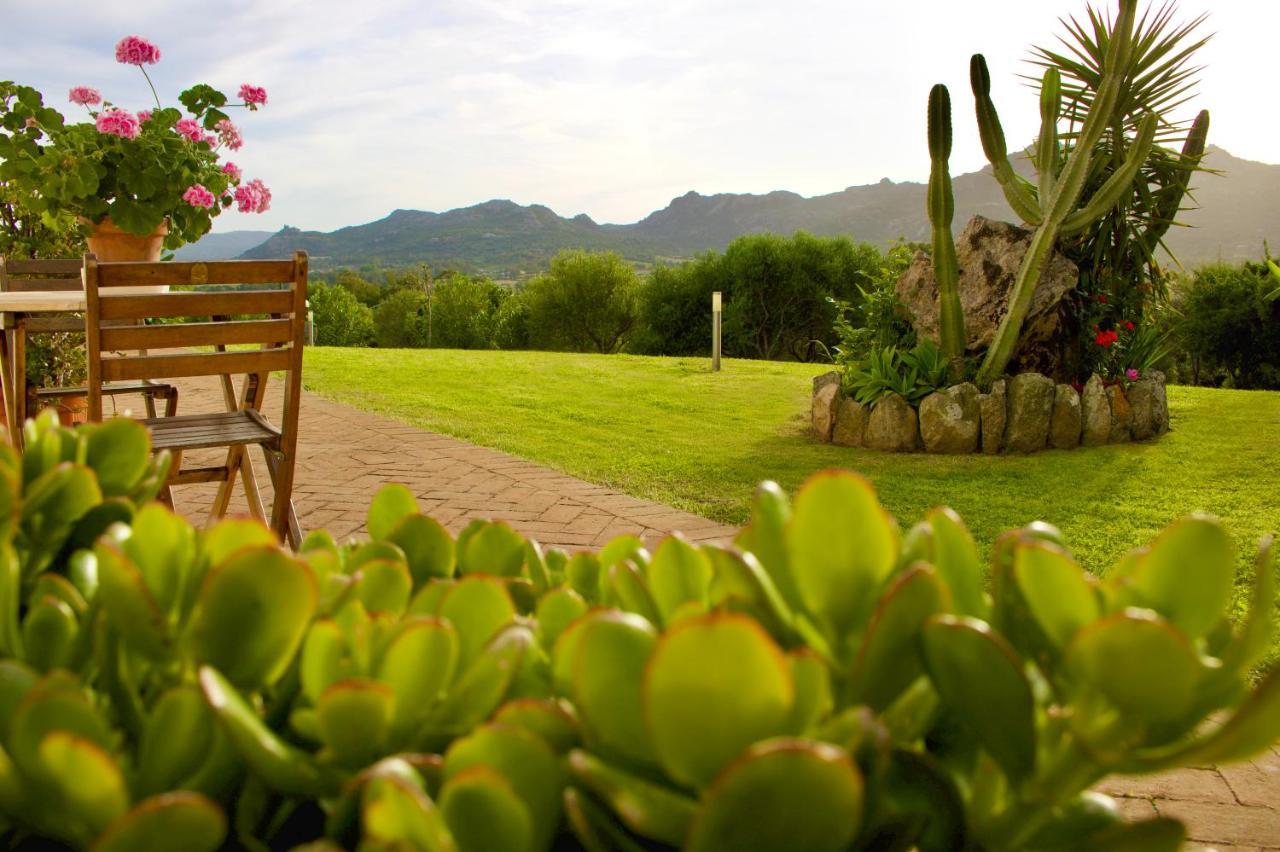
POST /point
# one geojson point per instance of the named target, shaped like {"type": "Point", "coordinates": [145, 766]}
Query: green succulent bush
{"type": "Point", "coordinates": [828, 682]}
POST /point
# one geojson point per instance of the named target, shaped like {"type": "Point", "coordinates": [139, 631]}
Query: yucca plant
{"type": "Point", "coordinates": [1118, 253]}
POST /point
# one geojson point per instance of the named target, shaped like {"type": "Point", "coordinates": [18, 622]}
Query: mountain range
{"type": "Point", "coordinates": [1237, 211]}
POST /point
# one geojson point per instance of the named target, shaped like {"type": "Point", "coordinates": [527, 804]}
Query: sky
{"type": "Point", "coordinates": [604, 107]}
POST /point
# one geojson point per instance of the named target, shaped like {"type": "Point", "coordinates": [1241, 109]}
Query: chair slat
{"type": "Point", "coordinates": [194, 364]}
{"type": "Point", "coordinates": [223, 303]}
{"type": "Point", "coordinates": [197, 334]}
{"type": "Point", "coordinates": [51, 325]}
{"type": "Point", "coordinates": [221, 272]}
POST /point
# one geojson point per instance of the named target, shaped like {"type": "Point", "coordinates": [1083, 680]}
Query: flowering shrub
{"type": "Point", "coordinates": [140, 168]}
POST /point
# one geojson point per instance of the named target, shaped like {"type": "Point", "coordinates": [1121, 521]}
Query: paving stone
{"type": "Point", "coordinates": [1199, 785]}
{"type": "Point", "coordinates": [1211, 823]}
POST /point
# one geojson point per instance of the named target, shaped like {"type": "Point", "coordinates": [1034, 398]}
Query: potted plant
{"type": "Point", "coordinates": [136, 181]}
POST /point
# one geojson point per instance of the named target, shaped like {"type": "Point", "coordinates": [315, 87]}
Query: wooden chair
{"type": "Point", "coordinates": [227, 315]}
{"type": "Point", "coordinates": [58, 275]}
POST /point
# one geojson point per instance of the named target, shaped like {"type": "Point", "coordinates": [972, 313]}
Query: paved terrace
{"type": "Point", "coordinates": [346, 454]}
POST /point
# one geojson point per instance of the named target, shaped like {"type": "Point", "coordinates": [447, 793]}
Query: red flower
{"type": "Point", "coordinates": [1102, 298]}
{"type": "Point", "coordinates": [1128, 326]}
{"type": "Point", "coordinates": [1106, 338]}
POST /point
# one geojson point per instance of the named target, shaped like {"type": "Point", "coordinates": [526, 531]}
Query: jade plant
{"type": "Point", "coordinates": [825, 682]}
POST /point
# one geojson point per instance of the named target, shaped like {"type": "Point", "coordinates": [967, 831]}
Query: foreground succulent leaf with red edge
{"type": "Point", "coordinates": [605, 677]}
{"type": "Point", "coordinates": [88, 781]}
{"type": "Point", "coordinates": [388, 508]}
{"type": "Point", "coordinates": [1139, 662]}
{"type": "Point", "coordinates": [714, 685]}
{"type": "Point", "coordinates": [955, 556]}
{"type": "Point", "coordinates": [484, 813]}
{"type": "Point", "coordinates": [981, 678]}
{"type": "Point", "coordinates": [1055, 590]}
{"type": "Point", "coordinates": [281, 766]}
{"type": "Point", "coordinates": [842, 546]}
{"type": "Point", "coordinates": [251, 615]}
{"type": "Point", "coordinates": [646, 808]}
{"type": "Point", "coordinates": [527, 762]}
{"type": "Point", "coordinates": [171, 822]}
{"type": "Point", "coordinates": [782, 794]}
{"type": "Point", "coordinates": [678, 573]}
{"type": "Point", "coordinates": [889, 658]}
{"type": "Point", "coordinates": [397, 814]}
{"type": "Point", "coordinates": [1185, 574]}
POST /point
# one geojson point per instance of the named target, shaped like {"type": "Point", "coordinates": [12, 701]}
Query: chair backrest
{"type": "Point", "coordinates": [40, 276]}
{"type": "Point", "coordinates": [226, 299]}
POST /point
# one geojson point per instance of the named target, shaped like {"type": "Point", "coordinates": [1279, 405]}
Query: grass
{"type": "Point", "coordinates": [669, 430]}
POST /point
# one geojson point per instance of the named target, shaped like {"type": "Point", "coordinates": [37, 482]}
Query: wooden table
{"type": "Point", "coordinates": [14, 304]}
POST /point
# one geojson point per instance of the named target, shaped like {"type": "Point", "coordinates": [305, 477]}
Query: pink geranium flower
{"type": "Point", "coordinates": [117, 122]}
{"type": "Point", "coordinates": [253, 197]}
{"type": "Point", "coordinates": [85, 96]}
{"type": "Point", "coordinates": [136, 50]}
{"type": "Point", "coordinates": [253, 95]}
{"type": "Point", "coordinates": [230, 168]}
{"type": "Point", "coordinates": [190, 128]}
{"type": "Point", "coordinates": [144, 115]}
{"type": "Point", "coordinates": [198, 196]}
{"type": "Point", "coordinates": [229, 134]}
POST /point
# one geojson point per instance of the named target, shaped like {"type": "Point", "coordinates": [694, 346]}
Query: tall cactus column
{"type": "Point", "coordinates": [941, 205]}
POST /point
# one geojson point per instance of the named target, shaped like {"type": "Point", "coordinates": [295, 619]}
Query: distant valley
{"type": "Point", "coordinates": [1239, 208]}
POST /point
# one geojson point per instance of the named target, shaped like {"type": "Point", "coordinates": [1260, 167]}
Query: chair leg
{"type": "Point", "coordinates": [171, 403]}
{"type": "Point", "coordinates": [20, 375]}
{"type": "Point", "coordinates": [284, 515]}
{"type": "Point", "coordinates": [166, 492]}
{"type": "Point", "coordinates": [149, 401]}
{"type": "Point", "coordinates": [6, 374]}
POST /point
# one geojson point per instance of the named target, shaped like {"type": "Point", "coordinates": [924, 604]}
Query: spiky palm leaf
{"type": "Point", "coordinates": [1119, 253]}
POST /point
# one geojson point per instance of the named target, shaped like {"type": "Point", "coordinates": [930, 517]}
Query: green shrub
{"type": "Point", "coordinates": [339, 317]}
{"type": "Point", "coordinates": [1229, 327]}
{"type": "Point", "coordinates": [585, 303]}
{"type": "Point", "coordinates": [828, 683]}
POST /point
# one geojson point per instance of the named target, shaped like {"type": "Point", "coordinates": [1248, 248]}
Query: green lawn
{"type": "Point", "coordinates": [670, 430]}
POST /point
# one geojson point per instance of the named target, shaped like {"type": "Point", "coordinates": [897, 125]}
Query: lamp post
{"type": "Point", "coordinates": [715, 332]}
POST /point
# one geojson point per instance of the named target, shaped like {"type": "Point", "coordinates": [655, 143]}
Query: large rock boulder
{"type": "Point", "coordinates": [1121, 416]}
{"type": "Point", "coordinates": [949, 420]}
{"type": "Point", "coordinates": [851, 422]}
{"type": "Point", "coordinates": [892, 426]}
{"type": "Point", "coordinates": [1066, 423]}
{"type": "Point", "coordinates": [825, 401]}
{"type": "Point", "coordinates": [1095, 411]}
{"type": "Point", "coordinates": [1150, 404]}
{"type": "Point", "coordinates": [993, 411]}
{"type": "Point", "coordinates": [989, 255]}
{"type": "Point", "coordinates": [1030, 410]}
{"type": "Point", "coordinates": [829, 378]}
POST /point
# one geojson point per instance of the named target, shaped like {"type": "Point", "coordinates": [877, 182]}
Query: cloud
{"type": "Point", "coordinates": [609, 107]}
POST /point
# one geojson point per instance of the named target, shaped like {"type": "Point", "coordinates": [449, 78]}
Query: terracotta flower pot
{"type": "Point", "coordinates": [72, 410]}
{"type": "Point", "coordinates": [111, 244]}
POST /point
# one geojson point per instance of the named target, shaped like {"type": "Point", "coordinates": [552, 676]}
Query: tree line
{"type": "Point", "coordinates": [782, 298]}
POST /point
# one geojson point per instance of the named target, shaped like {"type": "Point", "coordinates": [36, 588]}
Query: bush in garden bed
{"type": "Point", "coordinates": [828, 683]}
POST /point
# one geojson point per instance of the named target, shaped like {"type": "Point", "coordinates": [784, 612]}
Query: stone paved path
{"type": "Point", "coordinates": [345, 455]}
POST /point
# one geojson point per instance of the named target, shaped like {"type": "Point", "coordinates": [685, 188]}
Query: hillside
{"type": "Point", "coordinates": [221, 246]}
{"type": "Point", "coordinates": [1238, 210]}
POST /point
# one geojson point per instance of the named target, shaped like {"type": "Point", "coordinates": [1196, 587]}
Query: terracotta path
{"type": "Point", "coordinates": [346, 454]}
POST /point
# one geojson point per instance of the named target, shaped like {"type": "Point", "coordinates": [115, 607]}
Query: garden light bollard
{"type": "Point", "coordinates": [715, 332]}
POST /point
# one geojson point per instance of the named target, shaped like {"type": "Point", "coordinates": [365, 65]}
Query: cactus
{"type": "Point", "coordinates": [941, 206]}
{"type": "Point", "coordinates": [1061, 211]}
